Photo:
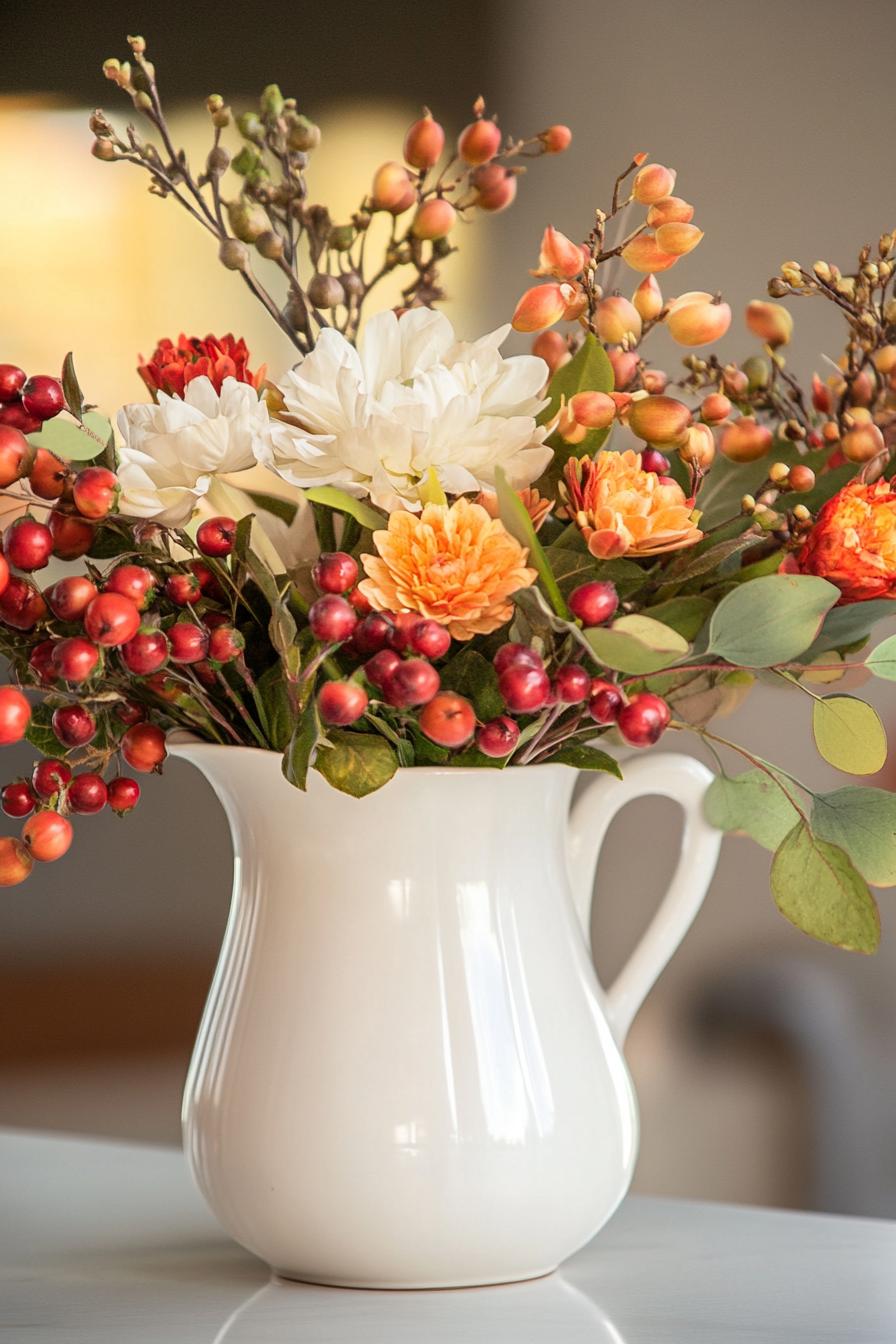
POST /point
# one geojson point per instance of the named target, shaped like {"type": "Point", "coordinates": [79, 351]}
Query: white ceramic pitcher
{"type": "Point", "coordinates": [407, 1074]}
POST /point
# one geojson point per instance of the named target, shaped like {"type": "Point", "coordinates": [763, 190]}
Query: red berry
{"type": "Point", "coordinates": [15, 715]}
{"type": "Point", "coordinates": [572, 684]}
{"type": "Point", "coordinates": [72, 536]}
{"type": "Point", "coordinates": [593, 603]}
{"type": "Point", "coordinates": [74, 725]}
{"type": "Point", "coordinates": [510, 655]}
{"type": "Point", "coordinates": [332, 619]}
{"type": "Point", "coordinates": [95, 491]}
{"type": "Point", "coordinates": [48, 475]}
{"type": "Point", "coordinates": [183, 589]}
{"type": "Point", "coordinates": [216, 536]}
{"type": "Point", "coordinates": [40, 660]}
{"type": "Point", "coordinates": [341, 702]}
{"type": "Point", "coordinates": [49, 776]}
{"type": "Point", "coordinates": [69, 598]}
{"type": "Point", "coordinates": [335, 572]}
{"type": "Point", "coordinates": [123, 793]}
{"type": "Point", "coordinates": [4, 573]}
{"type": "Point", "coordinates": [21, 605]}
{"type": "Point", "coordinates": [653, 460]}
{"type": "Point", "coordinates": [43, 397]}
{"type": "Point", "coordinates": [371, 633]}
{"type": "Point", "coordinates": [165, 687]}
{"type": "Point", "coordinates": [189, 643]}
{"type": "Point", "coordinates": [643, 720]}
{"type": "Point", "coordinates": [129, 712]}
{"type": "Point", "coordinates": [604, 701]}
{"type": "Point", "coordinates": [146, 653]}
{"type": "Point", "coordinates": [208, 583]}
{"type": "Point", "coordinates": [47, 835]}
{"type": "Point", "coordinates": [212, 619]}
{"type": "Point", "coordinates": [134, 582]}
{"type": "Point", "coordinates": [87, 794]}
{"type": "Point", "coordinates": [28, 544]}
{"type": "Point", "coordinates": [75, 659]}
{"type": "Point", "coordinates": [403, 622]}
{"type": "Point", "coordinates": [430, 639]}
{"type": "Point", "coordinates": [111, 620]}
{"type": "Point", "coordinates": [448, 720]}
{"type": "Point", "coordinates": [12, 380]}
{"type": "Point", "coordinates": [15, 862]}
{"type": "Point", "coordinates": [143, 747]}
{"type": "Point", "coordinates": [17, 798]}
{"type": "Point", "coordinates": [360, 603]}
{"type": "Point", "coordinates": [380, 667]}
{"type": "Point", "coordinates": [498, 737]}
{"type": "Point", "coordinates": [15, 451]}
{"type": "Point", "coordinates": [225, 644]}
{"type": "Point", "coordinates": [411, 683]}
{"type": "Point", "coordinates": [525, 690]}
{"type": "Point", "coordinates": [16, 417]}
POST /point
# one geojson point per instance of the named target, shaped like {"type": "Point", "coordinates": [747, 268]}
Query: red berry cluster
{"type": "Point", "coordinates": [25, 403]}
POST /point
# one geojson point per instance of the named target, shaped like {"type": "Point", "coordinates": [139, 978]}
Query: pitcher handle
{"type": "Point", "coordinates": [668, 775]}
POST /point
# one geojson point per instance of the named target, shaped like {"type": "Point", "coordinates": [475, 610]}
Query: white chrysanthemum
{"type": "Point", "coordinates": [173, 450]}
{"type": "Point", "coordinates": [374, 420]}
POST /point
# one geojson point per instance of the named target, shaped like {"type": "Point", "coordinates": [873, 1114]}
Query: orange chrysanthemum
{"type": "Point", "coordinates": [451, 563]}
{"type": "Point", "coordinates": [853, 542]}
{"type": "Point", "coordinates": [535, 505]}
{"type": "Point", "coordinates": [621, 509]}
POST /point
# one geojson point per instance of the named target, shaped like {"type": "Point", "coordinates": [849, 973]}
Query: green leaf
{"type": "Point", "coordinates": [691, 566]}
{"type": "Point", "coordinates": [275, 707]}
{"type": "Point", "coordinates": [589, 370]}
{"type": "Point", "coordinates": [305, 738]}
{"type": "Point", "coordinates": [74, 397]}
{"type": "Point", "coordinates": [70, 441]}
{"type": "Point", "coordinates": [817, 888]}
{"type": "Point", "coordinates": [847, 625]}
{"type": "Point", "coordinates": [750, 804]}
{"type": "Point", "coordinates": [470, 674]}
{"type": "Point", "coordinates": [356, 763]}
{"type": "Point", "coordinates": [582, 757]}
{"type": "Point", "coordinates": [863, 822]}
{"type": "Point", "coordinates": [284, 509]}
{"type": "Point", "coordinates": [571, 567]}
{"type": "Point", "coordinates": [849, 734]}
{"type": "Point", "coordinates": [687, 615]}
{"type": "Point", "coordinates": [770, 620]}
{"type": "Point", "coordinates": [636, 644]}
{"type": "Point", "coordinates": [341, 502]}
{"type": "Point", "coordinates": [519, 525]}
{"type": "Point", "coordinates": [882, 660]}
{"type": "Point", "coordinates": [40, 731]}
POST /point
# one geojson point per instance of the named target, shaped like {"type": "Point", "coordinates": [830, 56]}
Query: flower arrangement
{"type": "Point", "coordinates": [454, 566]}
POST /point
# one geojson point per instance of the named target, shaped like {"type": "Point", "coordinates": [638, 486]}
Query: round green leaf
{"type": "Point", "coordinates": [355, 763]}
{"type": "Point", "coordinates": [751, 804]}
{"type": "Point", "coordinates": [849, 734]}
{"type": "Point", "coordinates": [845, 626]}
{"type": "Point", "coordinates": [882, 660]}
{"type": "Point", "coordinates": [636, 644]}
{"type": "Point", "coordinates": [816, 887]}
{"type": "Point", "coordinates": [771, 619]}
{"type": "Point", "coordinates": [863, 822]}
{"type": "Point", "coordinates": [67, 439]}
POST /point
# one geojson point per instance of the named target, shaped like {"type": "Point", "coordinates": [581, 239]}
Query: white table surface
{"type": "Point", "coordinates": [103, 1242]}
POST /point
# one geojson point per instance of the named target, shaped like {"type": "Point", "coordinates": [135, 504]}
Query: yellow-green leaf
{"type": "Point", "coordinates": [863, 822]}
{"type": "Point", "coordinates": [69, 440]}
{"type": "Point", "coordinates": [751, 804]}
{"type": "Point", "coordinates": [849, 734]}
{"type": "Point", "coordinates": [817, 888]}
{"type": "Point", "coordinates": [341, 502]}
{"type": "Point", "coordinates": [882, 660]}
{"type": "Point", "coordinates": [430, 489]}
{"type": "Point", "coordinates": [355, 763]}
{"type": "Point", "coordinates": [637, 645]}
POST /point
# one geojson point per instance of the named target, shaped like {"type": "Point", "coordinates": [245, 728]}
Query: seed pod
{"type": "Point", "coordinates": [863, 443]}
{"type": "Point", "coordinates": [247, 220]}
{"type": "Point", "coordinates": [593, 410]}
{"type": "Point", "coordinates": [270, 245]}
{"type": "Point", "coordinates": [715, 408]}
{"type": "Point", "coordinates": [303, 135]}
{"type": "Point", "coordinates": [325, 291]}
{"type": "Point", "coordinates": [233, 254]}
{"type": "Point", "coordinates": [540, 307]}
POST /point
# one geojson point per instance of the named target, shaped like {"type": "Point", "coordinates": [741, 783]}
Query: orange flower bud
{"type": "Point", "coordinates": [677, 238]}
{"type": "Point", "coordinates": [555, 139]}
{"type": "Point", "coordinates": [715, 408]}
{"type": "Point", "coordinates": [552, 348]}
{"type": "Point", "coordinates": [479, 142]}
{"type": "Point", "coordinates": [745, 440]}
{"type": "Point", "coordinates": [540, 307]}
{"type": "Point", "coordinates": [801, 478]}
{"type": "Point", "coordinates": [821, 395]}
{"type": "Point", "coordinates": [616, 319]}
{"type": "Point", "coordinates": [434, 219]}
{"type": "Point", "coordinates": [861, 392]}
{"type": "Point", "coordinates": [885, 359]}
{"type": "Point", "coordinates": [652, 183]}
{"type": "Point", "coordinates": [576, 302]}
{"type": "Point", "coordinates": [862, 444]}
{"type": "Point", "coordinates": [661, 420]}
{"type": "Point", "coordinates": [622, 401]}
{"type": "Point", "coordinates": [696, 319]}
{"type": "Point", "coordinates": [495, 187]}
{"type": "Point", "coordinates": [769, 322]}
{"type": "Point", "coordinates": [424, 142]}
{"type": "Point", "coordinates": [699, 448]}
{"type": "Point", "coordinates": [648, 298]}
{"type": "Point", "coordinates": [654, 380]}
{"type": "Point", "coordinates": [642, 254]}
{"type": "Point", "coordinates": [670, 210]}
{"type": "Point", "coordinates": [625, 366]}
{"type": "Point", "coordinates": [568, 427]}
{"type": "Point", "coordinates": [735, 381]}
{"type": "Point", "coordinates": [830, 431]}
{"type": "Point", "coordinates": [559, 256]}
{"type": "Point", "coordinates": [594, 410]}
{"type": "Point", "coordinates": [392, 189]}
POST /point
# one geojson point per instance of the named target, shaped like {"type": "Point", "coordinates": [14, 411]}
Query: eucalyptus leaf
{"type": "Point", "coordinates": [355, 763]}
{"type": "Point", "coordinates": [863, 822]}
{"type": "Point", "coordinates": [341, 502]}
{"type": "Point", "coordinates": [636, 644]}
{"type": "Point", "coordinates": [770, 620]}
{"type": "Point", "coordinates": [71, 441]}
{"type": "Point", "coordinates": [849, 734]}
{"type": "Point", "coordinates": [518, 523]}
{"type": "Point", "coordinates": [686, 615]}
{"type": "Point", "coordinates": [847, 625]}
{"type": "Point", "coordinates": [817, 888]}
{"type": "Point", "coordinates": [751, 804]}
{"type": "Point", "coordinates": [882, 660]}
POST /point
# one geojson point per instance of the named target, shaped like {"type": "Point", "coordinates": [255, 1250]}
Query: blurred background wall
{"type": "Point", "coordinates": [762, 1061]}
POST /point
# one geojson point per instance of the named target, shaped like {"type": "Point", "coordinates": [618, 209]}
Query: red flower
{"type": "Point", "coordinates": [853, 543]}
{"type": "Point", "coordinates": [216, 358]}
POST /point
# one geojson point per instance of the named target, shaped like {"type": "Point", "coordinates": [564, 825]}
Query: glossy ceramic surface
{"type": "Point", "coordinates": [408, 1075]}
